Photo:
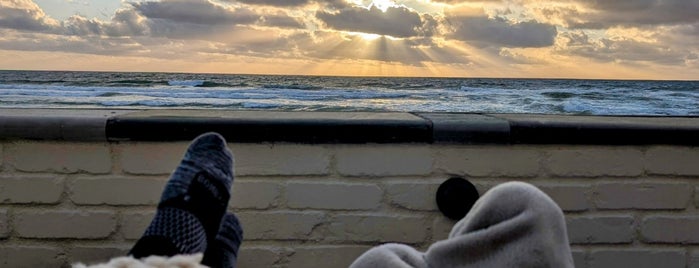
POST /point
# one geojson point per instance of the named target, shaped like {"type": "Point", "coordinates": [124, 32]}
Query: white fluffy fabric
{"type": "Point", "coordinates": [179, 261]}
{"type": "Point", "coordinates": [512, 225]}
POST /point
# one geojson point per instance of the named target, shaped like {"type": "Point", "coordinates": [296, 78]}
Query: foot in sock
{"type": "Point", "coordinates": [223, 252]}
{"type": "Point", "coordinates": [193, 203]}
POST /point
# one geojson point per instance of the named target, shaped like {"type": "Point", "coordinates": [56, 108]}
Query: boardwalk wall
{"type": "Point", "coordinates": [81, 197]}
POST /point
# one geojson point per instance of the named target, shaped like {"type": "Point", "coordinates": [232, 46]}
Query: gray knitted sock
{"type": "Point", "coordinates": [223, 252]}
{"type": "Point", "coordinates": [193, 202]}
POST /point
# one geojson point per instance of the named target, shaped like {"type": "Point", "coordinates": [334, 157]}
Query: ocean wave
{"type": "Point", "coordinates": [292, 86]}
{"type": "Point", "coordinates": [301, 93]}
{"type": "Point", "coordinates": [185, 83]}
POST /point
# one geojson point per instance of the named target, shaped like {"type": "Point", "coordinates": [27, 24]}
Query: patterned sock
{"type": "Point", "coordinates": [193, 203]}
{"type": "Point", "coordinates": [223, 252]}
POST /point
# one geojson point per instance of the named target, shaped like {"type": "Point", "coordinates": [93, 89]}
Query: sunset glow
{"type": "Point", "coordinates": [474, 38]}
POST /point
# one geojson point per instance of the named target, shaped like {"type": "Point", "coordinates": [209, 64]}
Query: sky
{"type": "Point", "coordinates": [595, 39]}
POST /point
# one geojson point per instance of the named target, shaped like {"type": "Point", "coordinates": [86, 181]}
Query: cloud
{"type": "Point", "coordinates": [395, 21]}
{"type": "Point", "coordinates": [281, 20]}
{"type": "Point", "coordinates": [415, 52]}
{"type": "Point", "coordinates": [497, 31]}
{"type": "Point", "coordinates": [294, 3]}
{"type": "Point", "coordinates": [59, 43]}
{"type": "Point", "coordinates": [602, 14]}
{"type": "Point", "coordinates": [621, 49]}
{"type": "Point", "coordinates": [25, 15]}
{"type": "Point", "coordinates": [280, 3]}
{"type": "Point", "coordinates": [201, 12]}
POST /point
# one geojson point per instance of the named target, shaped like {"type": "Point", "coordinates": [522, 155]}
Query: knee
{"type": "Point", "coordinates": [508, 200]}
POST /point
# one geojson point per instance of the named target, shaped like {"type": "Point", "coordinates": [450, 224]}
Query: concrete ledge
{"type": "Point", "coordinates": [608, 130]}
{"type": "Point", "coordinates": [248, 126]}
{"type": "Point", "coordinates": [55, 124]}
{"type": "Point", "coordinates": [344, 127]}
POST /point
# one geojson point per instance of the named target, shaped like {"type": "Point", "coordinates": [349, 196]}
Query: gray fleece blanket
{"type": "Point", "coordinates": [512, 225]}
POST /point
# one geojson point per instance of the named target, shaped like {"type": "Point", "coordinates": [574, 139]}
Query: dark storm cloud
{"type": "Point", "coordinates": [485, 31]}
{"type": "Point", "coordinates": [396, 21]}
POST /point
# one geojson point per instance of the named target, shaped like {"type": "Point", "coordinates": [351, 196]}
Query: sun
{"type": "Point", "coordinates": [369, 36]}
{"type": "Point", "coordinates": [383, 5]}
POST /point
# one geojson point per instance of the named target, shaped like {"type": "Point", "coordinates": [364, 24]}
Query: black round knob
{"type": "Point", "coordinates": [455, 197]}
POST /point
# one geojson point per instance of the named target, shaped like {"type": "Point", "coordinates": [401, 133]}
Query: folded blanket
{"type": "Point", "coordinates": [512, 225]}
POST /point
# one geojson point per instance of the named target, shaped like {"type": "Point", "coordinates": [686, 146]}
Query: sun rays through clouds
{"type": "Point", "coordinates": [654, 39]}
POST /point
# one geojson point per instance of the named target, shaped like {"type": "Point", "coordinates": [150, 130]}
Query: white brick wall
{"type": "Point", "coordinates": [94, 158]}
{"type": "Point", "coordinates": [384, 160]}
{"type": "Point", "coordinates": [301, 205]}
{"type": "Point", "coordinates": [116, 190]}
{"type": "Point", "coordinates": [32, 189]}
{"type": "Point", "coordinates": [64, 224]}
{"type": "Point", "coordinates": [4, 224]}
{"type": "Point", "coordinates": [595, 162]}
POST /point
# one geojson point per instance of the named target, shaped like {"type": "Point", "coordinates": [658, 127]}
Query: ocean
{"type": "Point", "coordinates": [118, 90]}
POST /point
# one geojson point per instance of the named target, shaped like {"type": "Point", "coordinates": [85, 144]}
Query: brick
{"type": "Point", "coordinates": [637, 258]}
{"type": "Point", "coordinates": [255, 195]}
{"type": "Point", "coordinates": [151, 158]}
{"type": "Point", "coordinates": [133, 224]}
{"type": "Point", "coordinates": [31, 189]}
{"type": "Point", "coordinates": [441, 227]}
{"type": "Point", "coordinates": [94, 255]}
{"type": "Point", "coordinates": [694, 259]}
{"type": "Point", "coordinates": [642, 195]}
{"type": "Point", "coordinates": [279, 225]}
{"type": "Point", "coordinates": [30, 256]}
{"type": "Point", "coordinates": [579, 258]}
{"type": "Point", "coordinates": [384, 160]}
{"type": "Point", "coordinates": [328, 256]}
{"type": "Point", "coordinates": [378, 228]}
{"type": "Point", "coordinates": [594, 162]}
{"type": "Point", "coordinates": [92, 158]}
{"type": "Point", "coordinates": [501, 161]}
{"type": "Point", "coordinates": [413, 196]}
{"type": "Point", "coordinates": [253, 257]}
{"type": "Point", "coordinates": [116, 191]}
{"type": "Point", "coordinates": [4, 224]}
{"type": "Point", "coordinates": [280, 159]}
{"type": "Point", "coordinates": [571, 198]}
{"type": "Point", "coordinates": [670, 229]}
{"type": "Point", "coordinates": [333, 196]}
{"type": "Point", "coordinates": [600, 229]}
{"type": "Point", "coordinates": [681, 161]}
{"type": "Point", "coordinates": [64, 224]}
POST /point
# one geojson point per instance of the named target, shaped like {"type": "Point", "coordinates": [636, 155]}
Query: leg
{"type": "Point", "coordinates": [224, 251]}
{"type": "Point", "coordinates": [193, 203]}
{"type": "Point", "coordinates": [512, 225]}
